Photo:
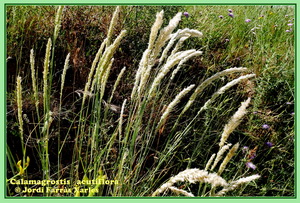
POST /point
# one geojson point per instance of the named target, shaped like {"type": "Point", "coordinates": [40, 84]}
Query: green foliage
{"type": "Point", "coordinates": [90, 145]}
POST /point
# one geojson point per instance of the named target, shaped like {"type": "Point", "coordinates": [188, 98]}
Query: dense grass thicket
{"type": "Point", "coordinates": [150, 101]}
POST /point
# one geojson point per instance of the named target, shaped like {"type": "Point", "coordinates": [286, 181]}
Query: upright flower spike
{"type": "Point", "coordinates": [20, 104]}
{"type": "Point", "coordinates": [63, 75]}
{"type": "Point", "coordinates": [121, 117]}
{"type": "Point", "coordinates": [146, 55]}
{"type": "Point", "coordinates": [103, 80]}
{"type": "Point", "coordinates": [155, 28]}
{"type": "Point", "coordinates": [105, 60]}
{"type": "Point", "coordinates": [234, 122]}
{"type": "Point", "coordinates": [165, 35]}
{"type": "Point", "coordinates": [58, 18]}
{"type": "Point", "coordinates": [112, 25]}
{"type": "Point", "coordinates": [95, 61]}
{"type": "Point", "coordinates": [34, 83]}
{"type": "Point", "coordinates": [46, 72]}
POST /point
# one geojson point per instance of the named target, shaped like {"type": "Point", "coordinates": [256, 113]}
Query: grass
{"type": "Point", "coordinates": [102, 104]}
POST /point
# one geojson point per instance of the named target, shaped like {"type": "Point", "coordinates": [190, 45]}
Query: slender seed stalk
{"type": "Point", "coordinates": [116, 84]}
{"type": "Point", "coordinates": [63, 76]}
{"type": "Point", "coordinates": [34, 83]}
{"type": "Point", "coordinates": [45, 77]}
{"type": "Point", "coordinates": [20, 117]}
{"type": "Point", "coordinates": [57, 22]}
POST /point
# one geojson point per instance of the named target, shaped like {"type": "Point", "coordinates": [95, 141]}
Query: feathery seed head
{"type": "Point", "coordinates": [230, 154]}
{"type": "Point", "coordinates": [173, 104]}
{"type": "Point", "coordinates": [234, 121]}
{"type": "Point", "coordinates": [34, 84]}
{"type": "Point", "coordinates": [166, 68]}
{"type": "Point", "coordinates": [180, 192]}
{"type": "Point", "coordinates": [196, 53]}
{"type": "Point", "coordinates": [165, 34]}
{"type": "Point", "coordinates": [209, 162]}
{"type": "Point", "coordinates": [113, 23]}
{"type": "Point", "coordinates": [234, 184]}
{"type": "Point", "coordinates": [224, 88]}
{"type": "Point", "coordinates": [58, 19]}
{"type": "Point", "coordinates": [155, 28]}
{"type": "Point", "coordinates": [192, 176]}
{"type": "Point", "coordinates": [208, 81]}
{"type": "Point", "coordinates": [46, 69]}
{"type": "Point", "coordinates": [220, 155]}
{"type": "Point", "coordinates": [20, 104]}
{"type": "Point", "coordinates": [121, 117]}
{"type": "Point", "coordinates": [63, 75]}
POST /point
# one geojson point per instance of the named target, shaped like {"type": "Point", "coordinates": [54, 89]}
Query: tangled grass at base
{"type": "Point", "coordinates": [195, 116]}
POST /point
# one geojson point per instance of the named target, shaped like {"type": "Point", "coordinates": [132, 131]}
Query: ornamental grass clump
{"type": "Point", "coordinates": [207, 176]}
{"type": "Point", "coordinates": [136, 140]}
{"type": "Point", "coordinates": [94, 126]}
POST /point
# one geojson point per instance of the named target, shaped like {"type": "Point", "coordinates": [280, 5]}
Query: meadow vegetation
{"type": "Point", "coordinates": [164, 100]}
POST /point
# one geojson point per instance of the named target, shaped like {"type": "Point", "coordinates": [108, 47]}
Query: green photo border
{"type": "Point", "coordinates": [136, 2]}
